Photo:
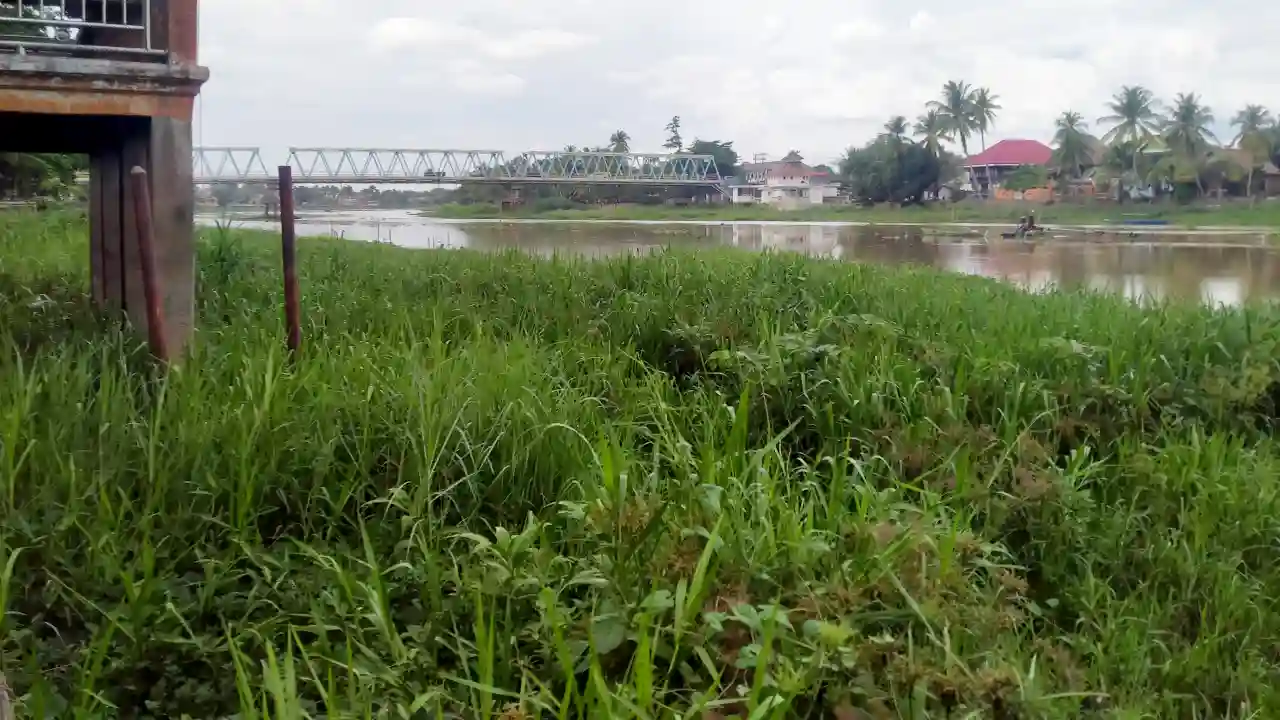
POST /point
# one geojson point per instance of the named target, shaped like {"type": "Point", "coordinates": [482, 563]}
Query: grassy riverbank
{"type": "Point", "coordinates": [1263, 214]}
{"type": "Point", "coordinates": [708, 484]}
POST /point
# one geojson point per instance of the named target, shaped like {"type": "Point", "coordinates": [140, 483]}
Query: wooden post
{"type": "Point", "coordinates": [288, 247]}
{"type": "Point", "coordinates": [146, 254]}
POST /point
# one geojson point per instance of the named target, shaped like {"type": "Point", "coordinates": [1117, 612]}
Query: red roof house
{"type": "Point", "coordinates": [988, 169]}
{"type": "Point", "coordinates": [1012, 153]}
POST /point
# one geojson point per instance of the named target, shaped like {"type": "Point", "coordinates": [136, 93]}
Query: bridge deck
{"type": "Point", "coordinates": [352, 166]}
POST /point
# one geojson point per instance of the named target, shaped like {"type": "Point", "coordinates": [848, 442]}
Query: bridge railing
{"type": "Point", "coordinates": [369, 165]}
{"type": "Point", "coordinates": [230, 165]}
{"type": "Point", "coordinates": [78, 27]}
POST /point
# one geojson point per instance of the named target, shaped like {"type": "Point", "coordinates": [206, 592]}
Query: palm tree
{"type": "Point", "coordinates": [620, 141]}
{"type": "Point", "coordinates": [1134, 115]}
{"type": "Point", "coordinates": [896, 129]}
{"type": "Point", "coordinates": [956, 108]}
{"type": "Point", "coordinates": [1134, 119]}
{"type": "Point", "coordinates": [1071, 152]}
{"type": "Point", "coordinates": [1186, 130]}
{"type": "Point", "coordinates": [931, 129]}
{"type": "Point", "coordinates": [1253, 119]}
{"type": "Point", "coordinates": [985, 109]}
{"type": "Point", "coordinates": [1255, 137]}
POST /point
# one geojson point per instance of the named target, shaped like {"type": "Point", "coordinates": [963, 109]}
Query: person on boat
{"type": "Point", "coordinates": [1021, 230]}
{"type": "Point", "coordinates": [1026, 226]}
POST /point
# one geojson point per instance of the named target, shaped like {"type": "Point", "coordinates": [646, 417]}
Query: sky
{"type": "Point", "coordinates": [811, 75]}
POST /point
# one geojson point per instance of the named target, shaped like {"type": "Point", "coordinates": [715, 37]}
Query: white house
{"type": "Point", "coordinates": [785, 183]}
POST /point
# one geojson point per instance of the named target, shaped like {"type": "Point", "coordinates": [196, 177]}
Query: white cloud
{"type": "Point", "coordinates": [922, 21]}
{"type": "Point", "coordinates": [528, 44]}
{"type": "Point", "coordinates": [473, 78]}
{"type": "Point", "coordinates": [822, 75]}
{"type": "Point", "coordinates": [857, 29]}
{"type": "Point", "coordinates": [420, 34]}
{"type": "Point", "coordinates": [397, 33]}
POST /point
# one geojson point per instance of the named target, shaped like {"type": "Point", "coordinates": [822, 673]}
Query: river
{"type": "Point", "coordinates": [1229, 269]}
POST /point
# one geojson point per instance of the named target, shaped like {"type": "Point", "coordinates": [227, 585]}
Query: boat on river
{"type": "Point", "coordinates": [1038, 232]}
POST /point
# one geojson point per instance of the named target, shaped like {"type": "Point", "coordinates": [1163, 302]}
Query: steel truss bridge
{"type": "Point", "coordinates": [361, 166]}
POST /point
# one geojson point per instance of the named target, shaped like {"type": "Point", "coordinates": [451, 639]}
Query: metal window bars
{"type": "Point", "coordinates": [77, 26]}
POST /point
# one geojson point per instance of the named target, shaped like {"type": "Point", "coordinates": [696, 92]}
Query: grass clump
{"type": "Point", "coordinates": [696, 485]}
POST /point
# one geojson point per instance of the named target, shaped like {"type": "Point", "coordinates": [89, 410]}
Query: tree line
{"type": "Point", "coordinates": [327, 196]}
{"type": "Point", "coordinates": [1145, 144]}
{"type": "Point", "coordinates": [1169, 146]}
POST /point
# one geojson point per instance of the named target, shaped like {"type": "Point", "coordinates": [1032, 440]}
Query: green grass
{"type": "Point", "coordinates": [1262, 214]}
{"type": "Point", "coordinates": [693, 485]}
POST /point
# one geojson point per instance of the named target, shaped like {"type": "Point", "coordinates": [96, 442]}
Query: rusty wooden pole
{"type": "Point", "coordinates": [288, 246]}
{"type": "Point", "coordinates": [146, 253]}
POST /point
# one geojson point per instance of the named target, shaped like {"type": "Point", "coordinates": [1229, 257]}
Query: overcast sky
{"type": "Point", "coordinates": [814, 75]}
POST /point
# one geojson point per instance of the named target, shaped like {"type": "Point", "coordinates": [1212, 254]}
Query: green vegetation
{"type": "Point", "coordinates": [1239, 214]}
{"type": "Point", "coordinates": [1073, 151]}
{"type": "Point", "coordinates": [891, 169]}
{"type": "Point", "coordinates": [1145, 151]}
{"type": "Point", "coordinates": [686, 485]}
{"type": "Point", "coordinates": [30, 175]}
{"type": "Point", "coordinates": [1026, 177]}
{"type": "Point", "coordinates": [228, 195]}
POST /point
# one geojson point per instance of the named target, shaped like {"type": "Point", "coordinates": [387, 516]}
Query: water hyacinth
{"type": "Point", "coordinates": [693, 484]}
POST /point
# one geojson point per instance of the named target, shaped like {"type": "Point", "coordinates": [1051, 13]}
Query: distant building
{"type": "Point", "coordinates": [990, 167]}
{"type": "Point", "coordinates": [1271, 180]}
{"type": "Point", "coordinates": [785, 183]}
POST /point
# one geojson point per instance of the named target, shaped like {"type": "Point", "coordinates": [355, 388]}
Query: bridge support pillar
{"type": "Point", "coordinates": [163, 147]}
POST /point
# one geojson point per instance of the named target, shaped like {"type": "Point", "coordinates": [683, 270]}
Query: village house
{"type": "Point", "coordinates": [1271, 180]}
{"type": "Point", "coordinates": [989, 168]}
{"type": "Point", "coordinates": [785, 183]}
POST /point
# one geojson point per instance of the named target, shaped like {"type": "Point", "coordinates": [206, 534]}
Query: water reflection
{"type": "Point", "coordinates": [1214, 270]}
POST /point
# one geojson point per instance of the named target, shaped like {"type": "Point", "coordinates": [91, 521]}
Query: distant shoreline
{"type": "Point", "coordinates": [1261, 218]}
{"type": "Point", "coordinates": [906, 220]}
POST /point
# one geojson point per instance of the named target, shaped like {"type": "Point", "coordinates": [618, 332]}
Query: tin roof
{"type": "Point", "coordinates": [1012, 153]}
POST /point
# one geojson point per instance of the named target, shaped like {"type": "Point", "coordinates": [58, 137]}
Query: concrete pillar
{"type": "Point", "coordinates": [173, 198]}
{"type": "Point", "coordinates": [163, 147]}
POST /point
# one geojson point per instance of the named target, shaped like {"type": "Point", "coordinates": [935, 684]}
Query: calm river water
{"type": "Point", "coordinates": [1220, 270]}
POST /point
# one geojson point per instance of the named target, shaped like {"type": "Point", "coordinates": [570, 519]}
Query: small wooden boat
{"type": "Point", "coordinates": [1038, 232]}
